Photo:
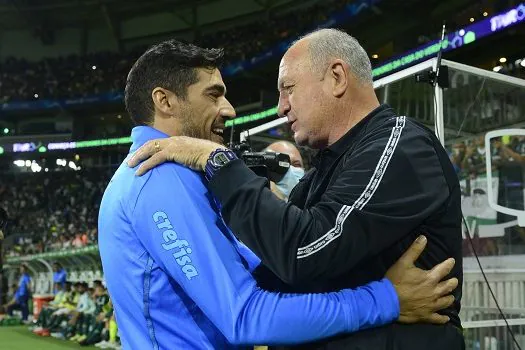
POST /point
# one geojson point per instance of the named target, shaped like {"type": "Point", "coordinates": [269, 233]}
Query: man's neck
{"type": "Point", "coordinates": [166, 126]}
{"type": "Point", "coordinates": [348, 117]}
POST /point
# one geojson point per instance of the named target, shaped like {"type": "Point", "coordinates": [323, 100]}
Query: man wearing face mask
{"type": "Point", "coordinates": [296, 171]}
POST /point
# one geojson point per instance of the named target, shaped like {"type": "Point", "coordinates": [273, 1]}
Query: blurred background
{"type": "Point", "coordinates": [64, 129]}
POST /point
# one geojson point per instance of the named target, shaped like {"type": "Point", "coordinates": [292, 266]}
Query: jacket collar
{"type": "Point", "coordinates": [142, 134]}
{"type": "Point", "coordinates": [341, 145]}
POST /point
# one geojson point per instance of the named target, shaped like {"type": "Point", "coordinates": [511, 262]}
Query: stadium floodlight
{"type": "Point", "coordinates": [35, 167]}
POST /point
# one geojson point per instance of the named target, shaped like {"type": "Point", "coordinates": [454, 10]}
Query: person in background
{"type": "Point", "coordinates": [45, 313]}
{"type": "Point", "coordinates": [65, 309]}
{"type": "Point", "coordinates": [93, 325]}
{"type": "Point", "coordinates": [78, 327]}
{"type": "Point", "coordinates": [77, 241]}
{"type": "Point", "coordinates": [474, 163]}
{"type": "Point", "coordinates": [20, 300]}
{"type": "Point", "coordinates": [284, 186]}
{"type": "Point", "coordinates": [3, 223]}
{"type": "Point", "coordinates": [59, 275]}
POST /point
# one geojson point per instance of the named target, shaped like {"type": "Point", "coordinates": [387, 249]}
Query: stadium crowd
{"type": "Point", "coordinates": [80, 76]}
{"type": "Point", "coordinates": [52, 211]}
{"type": "Point", "coordinates": [59, 210]}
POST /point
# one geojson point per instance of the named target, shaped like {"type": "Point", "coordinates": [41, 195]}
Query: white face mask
{"type": "Point", "coordinates": [290, 179]}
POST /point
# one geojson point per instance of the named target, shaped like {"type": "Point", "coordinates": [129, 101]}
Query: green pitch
{"type": "Point", "coordinates": [20, 338]}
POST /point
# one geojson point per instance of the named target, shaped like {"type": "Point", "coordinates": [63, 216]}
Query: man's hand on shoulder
{"type": "Point", "coordinates": [188, 151]}
{"type": "Point", "coordinates": [422, 293]}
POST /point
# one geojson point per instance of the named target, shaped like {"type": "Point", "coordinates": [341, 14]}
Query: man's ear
{"type": "Point", "coordinates": [164, 100]}
{"type": "Point", "coordinates": [339, 74]}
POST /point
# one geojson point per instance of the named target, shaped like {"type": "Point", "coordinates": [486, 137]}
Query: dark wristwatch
{"type": "Point", "coordinates": [217, 159]}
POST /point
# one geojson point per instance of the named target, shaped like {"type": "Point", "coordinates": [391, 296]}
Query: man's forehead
{"type": "Point", "coordinates": [210, 77]}
{"type": "Point", "coordinates": [293, 60]}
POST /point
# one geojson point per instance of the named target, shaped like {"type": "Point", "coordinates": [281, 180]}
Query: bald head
{"type": "Point", "coordinates": [326, 44]}
{"type": "Point", "coordinates": [287, 148]}
{"type": "Point", "coordinates": [325, 87]}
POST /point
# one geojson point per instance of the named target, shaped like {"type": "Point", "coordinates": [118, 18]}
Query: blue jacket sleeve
{"type": "Point", "coordinates": [175, 221]}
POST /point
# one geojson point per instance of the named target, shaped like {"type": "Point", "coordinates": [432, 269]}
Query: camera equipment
{"type": "Point", "coordinates": [270, 165]}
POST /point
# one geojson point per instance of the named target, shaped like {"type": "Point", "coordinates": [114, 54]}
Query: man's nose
{"type": "Point", "coordinates": [283, 107]}
{"type": "Point", "coordinates": [227, 111]}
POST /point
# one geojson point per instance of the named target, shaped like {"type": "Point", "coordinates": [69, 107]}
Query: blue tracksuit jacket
{"type": "Point", "coordinates": [179, 279]}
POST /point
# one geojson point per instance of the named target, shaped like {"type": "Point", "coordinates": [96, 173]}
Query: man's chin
{"type": "Point", "coordinates": [299, 141]}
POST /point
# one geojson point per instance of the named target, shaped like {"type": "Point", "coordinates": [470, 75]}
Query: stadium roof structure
{"type": "Point", "coordinates": [135, 18]}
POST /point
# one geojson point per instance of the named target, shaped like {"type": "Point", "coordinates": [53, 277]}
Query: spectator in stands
{"type": "Point", "coordinates": [81, 316]}
{"type": "Point", "coordinates": [47, 311]}
{"type": "Point", "coordinates": [109, 333]}
{"type": "Point", "coordinates": [22, 295]}
{"type": "Point", "coordinates": [284, 186]}
{"type": "Point", "coordinates": [85, 305]}
{"type": "Point", "coordinates": [73, 76]}
{"type": "Point", "coordinates": [28, 204]}
{"type": "Point", "coordinates": [92, 325]}
{"type": "Point", "coordinates": [457, 155]}
{"type": "Point", "coordinates": [59, 275]}
{"type": "Point", "coordinates": [3, 222]}
{"type": "Point", "coordinates": [65, 309]}
{"type": "Point", "coordinates": [473, 162]}
{"type": "Point", "coordinates": [77, 242]}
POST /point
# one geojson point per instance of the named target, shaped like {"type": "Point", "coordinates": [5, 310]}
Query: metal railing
{"type": "Point", "coordinates": [485, 328]}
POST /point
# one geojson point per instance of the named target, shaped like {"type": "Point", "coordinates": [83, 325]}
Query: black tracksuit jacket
{"type": "Point", "coordinates": [367, 198]}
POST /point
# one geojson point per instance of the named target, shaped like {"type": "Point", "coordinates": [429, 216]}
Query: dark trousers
{"type": "Point", "coordinates": [393, 337]}
{"type": "Point", "coordinates": [22, 305]}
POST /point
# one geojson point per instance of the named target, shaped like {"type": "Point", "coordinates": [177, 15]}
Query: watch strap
{"type": "Point", "coordinates": [216, 160]}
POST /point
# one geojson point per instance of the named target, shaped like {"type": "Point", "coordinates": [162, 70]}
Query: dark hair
{"type": "Point", "coordinates": [97, 283]}
{"type": "Point", "coordinates": [171, 65]}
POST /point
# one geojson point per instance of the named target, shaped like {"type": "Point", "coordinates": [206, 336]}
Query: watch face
{"type": "Point", "coordinates": [220, 159]}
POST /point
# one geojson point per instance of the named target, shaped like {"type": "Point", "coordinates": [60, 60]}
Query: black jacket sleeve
{"type": "Point", "coordinates": [391, 182]}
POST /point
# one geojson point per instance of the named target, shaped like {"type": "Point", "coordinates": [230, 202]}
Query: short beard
{"type": "Point", "coordinates": [187, 123]}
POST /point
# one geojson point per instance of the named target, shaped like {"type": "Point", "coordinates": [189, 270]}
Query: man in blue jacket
{"type": "Point", "coordinates": [59, 275]}
{"type": "Point", "coordinates": [178, 277]}
{"type": "Point", "coordinates": [22, 295]}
